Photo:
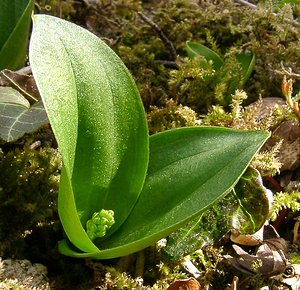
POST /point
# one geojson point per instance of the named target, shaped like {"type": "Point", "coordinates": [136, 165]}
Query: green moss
{"type": "Point", "coordinates": [63, 9]}
{"type": "Point", "coordinates": [282, 200]}
{"type": "Point", "coordinates": [170, 116]}
{"type": "Point", "coordinates": [28, 191]}
{"type": "Point", "coordinates": [155, 276]}
{"type": "Point", "coordinates": [225, 27]}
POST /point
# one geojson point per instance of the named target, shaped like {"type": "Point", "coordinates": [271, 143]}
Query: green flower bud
{"type": "Point", "coordinates": [100, 222]}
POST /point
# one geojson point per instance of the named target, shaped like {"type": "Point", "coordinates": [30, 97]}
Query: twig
{"type": "Point", "coordinates": [234, 283]}
{"type": "Point", "coordinates": [288, 72]}
{"type": "Point", "coordinates": [246, 3]}
{"type": "Point", "coordinates": [162, 36]}
{"type": "Point", "coordinates": [168, 63]}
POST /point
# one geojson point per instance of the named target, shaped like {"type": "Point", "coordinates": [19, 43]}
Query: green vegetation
{"type": "Point", "coordinates": [14, 32]}
{"type": "Point", "coordinates": [106, 151]}
{"type": "Point", "coordinates": [213, 87]}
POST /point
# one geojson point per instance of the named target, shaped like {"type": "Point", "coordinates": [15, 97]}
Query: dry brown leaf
{"type": "Point", "coordinates": [269, 258]}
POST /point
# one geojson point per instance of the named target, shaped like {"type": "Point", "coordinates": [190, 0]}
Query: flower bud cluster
{"type": "Point", "coordinates": [100, 222]}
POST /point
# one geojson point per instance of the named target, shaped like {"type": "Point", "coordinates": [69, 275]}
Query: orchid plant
{"type": "Point", "coordinates": [121, 190]}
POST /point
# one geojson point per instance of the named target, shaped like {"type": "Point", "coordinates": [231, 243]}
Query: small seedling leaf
{"type": "Point", "coordinates": [246, 60]}
{"type": "Point", "coordinates": [196, 49]}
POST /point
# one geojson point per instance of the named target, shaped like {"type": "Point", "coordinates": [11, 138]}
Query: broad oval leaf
{"type": "Point", "coordinates": [98, 119]}
{"type": "Point", "coordinates": [196, 49]}
{"type": "Point", "coordinates": [15, 19]}
{"type": "Point", "coordinates": [189, 170]}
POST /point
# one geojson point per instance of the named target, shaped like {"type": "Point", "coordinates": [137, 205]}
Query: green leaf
{"type": "Point", "coordinates": [16, 118]}
{"type": "Point", "coordinates": [250, 215]}
{"type": "Point", "coordinates": [196, 49]}
{"type": "Point", "coordinates": [246, 60]}
{"type": "Point", "coordinates": [189, 170]}
{"type": "Point", "coordinates": [15, 19]}
{"type": "Point", "coordinates": [238, 210]}
{"type": "Point", "coordinates": [12, 96]}
{"type": "Point", "coordinates": [99, 122]}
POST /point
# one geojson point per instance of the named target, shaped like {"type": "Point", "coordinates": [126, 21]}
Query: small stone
{"type": "Point", "coordinates": [21, 274]}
